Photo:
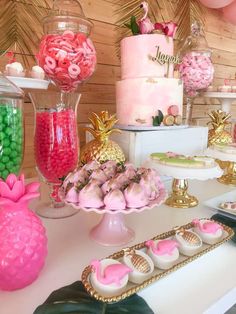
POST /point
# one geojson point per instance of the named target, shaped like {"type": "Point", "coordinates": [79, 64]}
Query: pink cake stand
{"type": "Point", "coordinates": [112, 230]}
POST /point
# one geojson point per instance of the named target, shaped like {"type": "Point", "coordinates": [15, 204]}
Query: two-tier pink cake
{"type": "Point", "coordinates": [146, 85]}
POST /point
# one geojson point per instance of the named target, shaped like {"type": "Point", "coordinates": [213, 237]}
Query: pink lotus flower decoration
{"type": "Point", "coordinates": [14, 190]}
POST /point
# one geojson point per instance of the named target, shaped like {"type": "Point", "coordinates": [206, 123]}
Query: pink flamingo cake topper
{"type": "Point", "coordinates": [113, 273]}
{"type": "Point", "coordinates": [207, 226]}
{"type": "Point", "coordinates": [145, 25]}
{"type": "Point", "coordinates": [162, 247]}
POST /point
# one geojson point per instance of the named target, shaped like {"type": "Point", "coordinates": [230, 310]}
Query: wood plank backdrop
{"type": "Point", "coordinates": [99, 93]}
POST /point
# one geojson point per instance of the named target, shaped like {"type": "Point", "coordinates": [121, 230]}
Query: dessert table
{"type": "Point", "coordinates": [206, 285]}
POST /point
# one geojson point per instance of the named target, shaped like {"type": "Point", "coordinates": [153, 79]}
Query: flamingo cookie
{"type": "Point", "coordinates": [109, 277]}
{"type": "Point", "coordinates": [164, 253]}
{"type": "Point", "coordinates": [210, 231]}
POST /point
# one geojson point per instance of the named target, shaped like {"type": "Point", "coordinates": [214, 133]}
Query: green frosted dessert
{"type": "Point", "coordinates": [173, 159]}
{"type": "Point", "coordinates": [11, 140]}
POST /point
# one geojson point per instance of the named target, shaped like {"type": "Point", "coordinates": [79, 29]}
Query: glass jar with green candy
{"type": "Point", "coordinates": [11, 128]}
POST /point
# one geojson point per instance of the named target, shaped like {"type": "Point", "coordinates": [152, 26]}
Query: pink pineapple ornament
{"type": "Point", "coordinates": [23, 242]}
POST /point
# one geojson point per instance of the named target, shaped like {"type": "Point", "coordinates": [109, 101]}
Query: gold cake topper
{"type": "Point", "coordinates": [163, 58]}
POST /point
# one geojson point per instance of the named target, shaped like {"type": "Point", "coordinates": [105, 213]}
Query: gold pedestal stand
{"type": "Point", "coordinates": [230, 176]}
{"type": "Point", "coordinates": [179, 197]}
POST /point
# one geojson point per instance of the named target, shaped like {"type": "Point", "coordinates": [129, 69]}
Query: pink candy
{"type": "Point", "coordinates": [68, 59]}
{"type": "Point", "coordinates": [196, 71]}
{"type": "Point", "coordinates": [56, 144]}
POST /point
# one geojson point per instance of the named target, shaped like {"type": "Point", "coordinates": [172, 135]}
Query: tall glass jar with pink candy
{"type": "Point", "coordinates": [196, 68]}
{"type": "Point", "coordinates": [66, 52]}
{"type": "Point", "coordinates": [56, 145]}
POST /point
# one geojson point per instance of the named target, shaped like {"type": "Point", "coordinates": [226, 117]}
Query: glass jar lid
{"type": "Point", "coordinates": [8, 89]}
{"type": "Point", "coordinates": [67, 14]}
{"type": "Point", "coordinates": [196, 41]}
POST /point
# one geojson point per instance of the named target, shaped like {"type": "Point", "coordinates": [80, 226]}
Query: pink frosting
{"type": "Point", "coordinates": [99, 175]}
{"type": "Point", "coordinates": [92, 165]}
{"type": "Point", "coordinates": [134, 98]}
{"type": "Point", "coordinates": [135, 196]}
{"type": "Point", "coordinates": [115, 200]}
{"type": "Point", "coordinates": [110, 185]}
{"type": "Point", "coordinates": [91, 196]}
{"type": "Point", "coordinates": [109, 168]}
{"type": "Point", "coordinates": [121, 178]}
{"type": "Point", "coordinates": [135, 52]}
{"type": "Point", "coordinates": [130, 173]}
{"type": "Point", "coordinates": [150, 187]}
{"type": "Point", "coordinates": [72, 196]}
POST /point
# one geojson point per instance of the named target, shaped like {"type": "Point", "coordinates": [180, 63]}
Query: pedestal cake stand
{"type": "Point", "coordinates": [225, 99]}
{"type": "Point", "coordinates": [230, 171]}
{"type": "Point", "coordinates": [179, 197]}
{"type": "Point", "coordinates": [112, 230]}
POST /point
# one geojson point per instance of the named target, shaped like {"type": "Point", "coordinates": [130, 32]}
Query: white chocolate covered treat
{"type": "Point", "coordinates": [109, 277]}
{"type": "Point", "coordinates": [37, 72]}
{"type": "Point", "coordinates": [209, 231]}
{"type": "Point", "coordinates": [15, 69]}
{"type": "Point", "coordinates": [141, 264]}
{"type": "Point", "coordinates": [164, 253]}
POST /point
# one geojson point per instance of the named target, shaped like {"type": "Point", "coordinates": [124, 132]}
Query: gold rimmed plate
{"type": "Point", "coordinates": [158, 273]}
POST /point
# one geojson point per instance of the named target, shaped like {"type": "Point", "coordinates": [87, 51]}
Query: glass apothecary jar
{"type": "Point", "coordinates": [11, 128]}
{"type": "Point", "coordinates": [66, 52]}
{"type": "Point", "coordinates": [196, 68]}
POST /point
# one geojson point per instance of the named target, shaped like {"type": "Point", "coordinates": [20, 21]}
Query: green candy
{"type": "Point", "coordinates": [4, 174]}
{"type": "Point", "coordinates": [13, 147]}
{"type": "Point", "coordinates": [13, 154]}
{"type": "Point", "coordinates": [10, 165]}
{"type": "Point", "coordinates": [6, 142]}
{"type": "Point", "coordinates": [11, 139]}
{"type": "Point", "coordinates": [7, 151]}
{"type": "Point", "coordinates": [5, 159]}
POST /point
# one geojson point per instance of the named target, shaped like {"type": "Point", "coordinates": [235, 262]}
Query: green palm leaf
{"type": "Point", "coordinates": [21, 26]}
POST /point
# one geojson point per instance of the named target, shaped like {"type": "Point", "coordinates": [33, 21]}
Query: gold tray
{"type": "Point", "coordinates": [157, 273]}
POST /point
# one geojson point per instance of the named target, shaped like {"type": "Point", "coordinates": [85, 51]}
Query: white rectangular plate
{"type": "Point", "coordinates": [214, 203]}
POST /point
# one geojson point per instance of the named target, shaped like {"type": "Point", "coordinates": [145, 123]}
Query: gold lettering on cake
{"type": "Point", "coordinates": [163, 58]}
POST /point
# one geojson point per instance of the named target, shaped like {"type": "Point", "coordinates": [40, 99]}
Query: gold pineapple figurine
{"type": "Point", "coordinates": [101, 148]}
{"type": "Point", "coordinates": [218, 134]}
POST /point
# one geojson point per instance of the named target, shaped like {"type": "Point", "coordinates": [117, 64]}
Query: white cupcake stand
{"type": "Point", "coordinates": [179, 197]}
{"type": "Point", "coordinates": [230, 165]}
{"type": "Point", "coordinates": [112, 230]}
{"type": "Point", "coordinates": [226, 99]}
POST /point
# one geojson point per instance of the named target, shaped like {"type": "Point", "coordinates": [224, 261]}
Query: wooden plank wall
{"type": "Point", "coordinates": [99, 93]}
{"type": "Point", "coordinates": [221, 38]}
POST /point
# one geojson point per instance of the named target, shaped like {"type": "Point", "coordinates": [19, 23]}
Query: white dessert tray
{"type": "Point", "coordinates": [150, 128]}
{"type": "Point", "coordinates": [185, 173]}
{"type": "Point", "coordinates": [26, 82]}
{"type": "Point", "coordinates": [214, 203]}
{"type": "Point", "coordinates": [220, 155]}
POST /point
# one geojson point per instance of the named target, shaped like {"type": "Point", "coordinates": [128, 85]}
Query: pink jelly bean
{"type": "Point", "coordinates": [56, 146]}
